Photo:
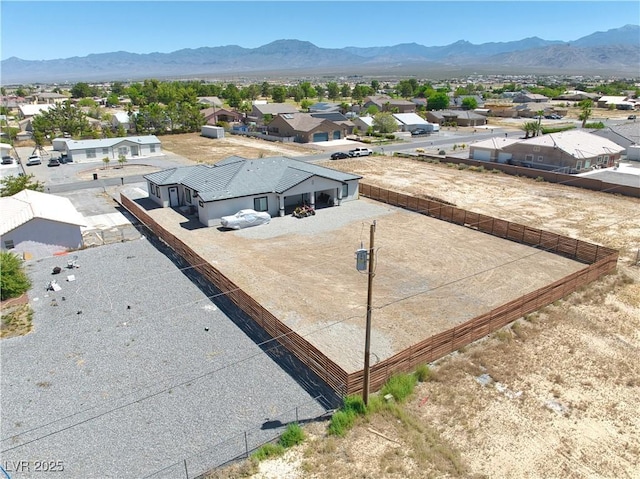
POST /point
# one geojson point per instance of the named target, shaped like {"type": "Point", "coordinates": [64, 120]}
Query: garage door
{"type": "Point", "coordinates": [320, 137]}
{"type": "Point", "coordinates": [482, 155]}
{"type": "Point", "coordinates": [336, 135]}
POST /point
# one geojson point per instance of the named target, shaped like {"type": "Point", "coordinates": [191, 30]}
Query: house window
{"type": "Point", "coordinates": [105, 151]}
{"type": "Point", "coordinates": [528, 158]}
{"type": "Point", "coordinates": [606, 159]}
{"type": "Point", "coordinates": [579, 165]}
{"type": "Point", "coordinates": [201, 203]}
{"type": "Point", "coordinates": [599, 160]}
{"type": "Point", "coordinates": [345, 190]}
{"type": "Point", "coordinates": [91, 153]}
{"type": "Point", "coordinates": [122, 151]}
{"type": "Point", "coordinates": [152, 148]}
{"type": "Point", "coordinates": [260, 204]}
{"type": "Point", "coordinates": [187, 193]}
{"type": "Point", "coordinates": [536, 148]}
{"type": "Point", "coordinates": [541, 159]}
{"type": "Point", "coordinates": [158, 191]}
{"type": "Point", "coordinates": [8, 244]}
{"type": "Point", "coordinates": [153, 189]}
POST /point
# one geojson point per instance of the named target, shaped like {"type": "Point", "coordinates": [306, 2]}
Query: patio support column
{"type": "Point", "coordinates": [312, 199]}
{"type": "Point", "coordinates": [281, 205]}
{"type": "Point", "coordinates": [339, 196]}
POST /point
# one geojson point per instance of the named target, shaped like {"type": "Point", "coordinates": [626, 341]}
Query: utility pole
{"type": "Point", "coordinates": [367, 341]}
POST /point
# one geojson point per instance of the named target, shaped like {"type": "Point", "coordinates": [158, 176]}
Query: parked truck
{"type": "Point", "coordinates": [360, 152]}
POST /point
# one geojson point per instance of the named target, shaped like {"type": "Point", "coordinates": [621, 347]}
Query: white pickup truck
{"type": "Point", "coordinates": [360, 152]}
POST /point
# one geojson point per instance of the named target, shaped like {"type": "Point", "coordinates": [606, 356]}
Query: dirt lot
{"type": "Point", "coordinates": [209, 150]}
{"type": "Point", "coordinates": [562, 400]}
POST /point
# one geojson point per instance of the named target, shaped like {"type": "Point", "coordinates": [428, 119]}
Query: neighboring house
{"type": "Point", "coordinates": [363, 123]}
{"type": "Point", "coordinates": [411, 121]}
{"type": "Point", "coordinates": [259, 110]}
{"type": "Point", "coordinates": [38, 225]}
{"type": "Point", "coordinates": [214, 115]}
{"type": "Point", "coordinates": [51, 98]}
{"type": "Point", "coordinates": [305, 128]}
{"type": "Point", "coordinates": [210, 101]}
{"type": "Point", "coordinates": [526, 97]}
{"type": "Point", "coordinates": [87, 151]}
{"type": "Point", "coordinates": [275, 185]}
{"type": "Point", "coordinates": [386, 103]}
{"type": "Point", "coordinates": [324, 107]}
{"type": "Point", "coordinates": [617, 102]}
{"type": "Point", "coordinates": [121, 118]}
{"type": "Point", "coordinates": [456, 117]}
{"type": "Point", "coordinates": [626, 135]}
{"type": "Point", "coordinates": [29, 111]}
{"type": "Point", "coordinates": [577, 95]}
{"type": "Point", "coordinates": [339, 119]}
{"type": "Point", "coordinates": [456, 101]}
{"type": "Point", "coordinates": [569, 151]}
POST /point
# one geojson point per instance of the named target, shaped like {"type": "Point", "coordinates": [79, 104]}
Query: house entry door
{"type": "Point", "coordinates": [173, 196]}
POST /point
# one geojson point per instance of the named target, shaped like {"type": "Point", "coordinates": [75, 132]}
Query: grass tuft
{"type": "Point", "coordinates": [400, 386]}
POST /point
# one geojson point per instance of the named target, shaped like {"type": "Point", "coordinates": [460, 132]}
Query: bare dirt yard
{"type": "Point", "coordinates": [554, 394]}
{"type": "Point", "coordinates": [209, 150]}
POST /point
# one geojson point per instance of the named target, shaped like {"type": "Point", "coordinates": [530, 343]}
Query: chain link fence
{"type": "Point", "coordinates": [241, 445]}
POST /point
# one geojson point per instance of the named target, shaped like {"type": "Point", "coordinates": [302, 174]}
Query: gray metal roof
{"type": "Point", "coordinates": [235, 177]}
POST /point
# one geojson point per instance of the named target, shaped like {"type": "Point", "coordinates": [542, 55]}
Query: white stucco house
{"type": "Point", "coordinates": [38, 225]}
{"type": "Point", "coordinates": [88, 151]}
{"type": "Point", "coordinates": [275, 185]}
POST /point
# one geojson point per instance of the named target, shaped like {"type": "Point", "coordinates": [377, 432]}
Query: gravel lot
{"type": "Point", "coordinates": [127, 374]}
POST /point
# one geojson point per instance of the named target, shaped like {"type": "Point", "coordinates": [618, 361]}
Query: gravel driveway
{"type": "Point", "coordinates": [130, 369]}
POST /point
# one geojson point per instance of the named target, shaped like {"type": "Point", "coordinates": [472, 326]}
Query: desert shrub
{"type": "Point", "coordinates": [13, 280]}
{"type": "Point", "coordinates": [400, 386]}
{"type": "Point", "coordinates": [442, 152]}
{"type": "Point", "coordinates": [496, 172]}
{"type": "Point", "coordinates": [423, 373]}
{"type": "Point", "coordinates": [341, 422]}
{"type": "Point", "coordinates": [595, 126]}
{"type": "Point", "coordinates": [292, 436]}
{"type": "Point", "coordinates": [267, 451]}
{"type": "Point", "coordinates": [539, 178]}
{"type": "Point", "coordinates": [462, 166]}
{"type": "Point", "coordinates": [355, 404]}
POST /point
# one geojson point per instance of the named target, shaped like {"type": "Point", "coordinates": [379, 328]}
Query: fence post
{"type": "Point", "coordinates": [297, 421]}
{"type": "Point", "coordinates": [185, 469]}
{"type": "Point", "coordinates": [246, 445]}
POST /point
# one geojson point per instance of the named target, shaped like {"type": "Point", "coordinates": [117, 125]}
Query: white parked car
{"type": "Point", "coordinates": [245, 219]}
{"type": "Point", "coordinates": [34, 160]}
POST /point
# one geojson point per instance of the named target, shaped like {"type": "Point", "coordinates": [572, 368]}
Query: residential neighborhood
{"type": "Point", "coordinates": [237, 278]}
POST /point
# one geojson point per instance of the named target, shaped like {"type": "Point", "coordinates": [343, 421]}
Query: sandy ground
{"type": "Point", "coordinates": [562, 385]}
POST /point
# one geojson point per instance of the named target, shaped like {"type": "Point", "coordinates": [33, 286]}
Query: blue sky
{"type": "Point", "coordinates": [50, 29]}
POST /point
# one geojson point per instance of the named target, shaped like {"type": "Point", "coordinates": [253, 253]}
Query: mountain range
{"type": "Point", "coordinates": [615, 53]}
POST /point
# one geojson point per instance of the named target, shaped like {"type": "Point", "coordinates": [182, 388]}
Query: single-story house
{"type": "Point", "coordinates": [51, 97]}
{"type": "Point", "coordinates": [577, 95]}
{"type": "Point", "coordinates": [457, 101]}
{"type": "Point", "coordinates": [386, 103]}
{"type": "Point", "coordinates": [626, 135]}
{"type": "Point", "coordinates": [617, 102]}
{"type": "Point", "coordinates": [571, 151]}
{"type": "Point", "coordinates": [214, 115]}
{"type": "Point", "coordinates": [87, 151]}
{"type": "Point", "coordinates": [411, 121]}
{"type": "Point", "coordinates": [324, 107]}
{"type": "Point", "coordinates": [259, 110]}
{"type": "Point", "coordinates": [456, 117]}
{"type": "Point", "coordinates": [275, 185]}
{"type": "Point", "coordinates": [305, 128]}
{"type": "Point", "coordinates": [121, 118]}
{"type": "Point", "coordinates": [363, 123]}
{"type": "Point", "coordinates": [38, 225]}
{"type": "Point", "coordinates": [29, 111]}
{"type": "Point", "coordinates": [526, 97]}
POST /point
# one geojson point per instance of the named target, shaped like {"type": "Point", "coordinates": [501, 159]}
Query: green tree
{"type": "Point", "coordinates": [585, 111]}
{"type": "Point", "coordinates": [81, 90]}
{"type": "Point", "coordinates": [279, 94]}
{"type": "Point", "coordinates": [333, 90]}
{"type": "Point", "coordinates": [113, 100]}
{"type": "Point", "coordinates": [106, 161]}
{"type": "Point", "coordinates": [372, 110]}
{"type": "Point", "coordinates": [384, 122]}
{"type": "Point", "coordinates": [375, 85]}
{"type": "Point", "coordinates": [469, 103]}
{"type": "Point", "coordinates": [345, 91]}
{"type": "Point", "coordinates": [13, 280]}
{"type": "Point", "coordinates": [438, 101]}
{"type": "Point", "coordinates": [10, 185]}
{"type": "Point", "coordinates": [121, 160]}
{"type": "Point", "coordinates": [305, 104]}
{"type": "Point", "coordinates": [320, 92]}
{"type": "Point", "coordinates": [265, 89]}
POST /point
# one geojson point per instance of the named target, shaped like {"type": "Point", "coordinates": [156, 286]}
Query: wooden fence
{"type": "Point", "coordinates": [600, 261]}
